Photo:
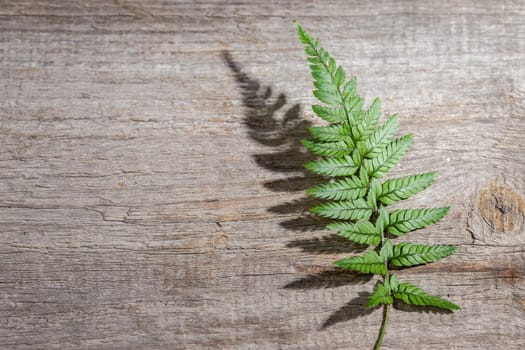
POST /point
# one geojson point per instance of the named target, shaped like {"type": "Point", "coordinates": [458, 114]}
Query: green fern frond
{"type": "Point", "coordinates": [370, 262]}
{"type": "Point", "coordinates": [336, 149]}
{"type": "Point", "coordinates": [350, 89]}
{"type": "Point", "coordinates": [380, 296]}
{"type": "Point", "coordinates": [367, 121]}
{"type": "Point", "coordinates": [381, 137]}
{"type": "Point", "coordinates": [413, 295]}
{"type": "Point", "coordinates": [340, 190]}
{"type": "Point", "coordinates": [408, 254]}
{"type": "Point", "coordinates": [379, 166]}
{"type": "Point", "coordinates": [348, 210]}
{"type": "Point", "coordinates": [356, 152]}
{"type": "Point", "coordinates": [330, 114]}
{"type": "Point", "coordinates": [353, 109]}
{"type": "Point", "coordinates": [387, 250]}
{"type": "Point", "coordinates": [406, 220]}
{"type": "Point", "coordinates": [332, 133]}
{"type": "Point", "coordinates": [362, 232]}
{"type": "Point", "coordinates": [398, 189]}
{"type": "Point", "coordinates": [328, 77]}
{"type": "Point", "coordinates": [344, 166]}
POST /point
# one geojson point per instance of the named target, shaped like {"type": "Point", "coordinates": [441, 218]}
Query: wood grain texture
{"type": "Point", "coordinates": [151, 178]}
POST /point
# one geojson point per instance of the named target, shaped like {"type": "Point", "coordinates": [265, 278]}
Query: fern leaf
{"type": "Point", "coordinates": [406, 220]}
{"type": "Point", "coordinates": [340, 226]}
{"type": "Point", "coordinates": [372, 232]}
{"type": "Point", "coordinates": [398, 189]}
{"type": "Point", "coordinates": [381, 137]}
{"type": "Point", "coordinates": [408, 254]}
{"type": "Point", "coordinates": [393, 282]}
{"type": "Point", "coordinates": [350, 89]}
{"type": "Point", "coordinates": [362, 232]}
{"type": "Point", "coordinates": [333, 166]}
{"type": "Point", "coordinates": [380, 296]}
{"type": "Point", "coordinates": [387, 250]}
{"type": "Point", "coordinates": [339, 76]}
{"type": "Point", "coordinates": [370, 262]}
{"type": "Point", "coordinates": [413, 295]}
{"type": "Point", "coordinates": [330, 114]}
{"type": "Point", "coordinates": [327, 149]}
{"type": "Point", "coordinates": [328, 78]}
{"type": "Point", "coordinates": [368, 121]}
{"type": "Point", "coordinates": [389, 157]}
{"type": "Point", "coordinates": [354, 106]}
{"type": "Point", "coordinates": [373, 192]}
{"type": "Point", "coordinates": [331, 133]}
{"type": "Point", "coordinates": [382, 219]}
{"type": "Point", "coordinates": [330, 97]}
{"type": "Point", "coordinates": [344, 189]}
{"type": "Point", "coordinates": [348, 210]}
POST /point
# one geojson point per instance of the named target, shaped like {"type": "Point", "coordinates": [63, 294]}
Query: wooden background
{"type": "Point", "coordinates": [151, 180]}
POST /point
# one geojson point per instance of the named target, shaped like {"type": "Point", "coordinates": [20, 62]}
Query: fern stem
{"type": "Point", "coordinates": [386, 307]}
{"type": "Point", "coordinates": [379, 341]}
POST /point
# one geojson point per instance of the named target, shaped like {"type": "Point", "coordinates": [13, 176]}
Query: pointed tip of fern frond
{"type": "Point", "coordinates": [299, 27]}
{"type": "Point", "coordinates": [455, 307]}
{"type": "Point", "coordinates": [448, 305]}
{"type": "Point", "coordinates": [394, 116]}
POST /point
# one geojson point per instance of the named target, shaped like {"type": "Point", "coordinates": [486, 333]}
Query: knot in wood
{"type": "Point", "coordinates": [501, 208]}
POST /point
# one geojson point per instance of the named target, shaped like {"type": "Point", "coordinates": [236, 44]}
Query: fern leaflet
{"type": "Point", "coordinates": [348, 210]}
{"type": "Point", "coordinates": [344, 189]}
{"type": "Point", "coordinates": [413, 295]}
{"type": "Point", "coordinates": [406, 220]}
{"type": "Point", "coordinates": [370, 262]}
{"type": "Point", "coordinates": [408, 254]}
{"type": "Point", "coordinates": [398, 189]}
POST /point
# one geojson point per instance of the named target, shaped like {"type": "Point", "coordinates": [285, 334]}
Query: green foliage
{"type": "Point", "coordinates": [343, 166]}
{"type": "Point", "coordinates": [403, 221]}
{"type": "Point", "coordinates": [408, 254]}
{"type": "Point", "coordinates": [382, 295]}
{"type": "Point", "coordinates": [332, 133]}
{"type": "Point", "coordinates": [348, 210]}
{"type": "Point", "coordinates": [361, 232]}
{"type": "Point", "coordinates": [380, 138]}
{"type": "Point", "coordinates": [356, 152]}
{"type": "Point", "coordinates": [371, 262]}
{"type": "Point", "coordinates": [344, 189]}
{"type": "Point", "coordinates": [330, 114]}
{"type": "Point", "coordinates": [398, 189]}
{"type": "Point", "coordinates": [413, 295]}
{"type": "Point", "coordinates": [379, 166]}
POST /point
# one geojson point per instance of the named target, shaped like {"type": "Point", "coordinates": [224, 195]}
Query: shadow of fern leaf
{"type": "Point", "coordinates": [297, 206]}
{"type": "Point", "coordinates": [271, 124]}
{"type": "Point", "coordinates": [328, 279]}
{"type": "Point", "coordinates": [421, 309]}
{"type": "Point", "coordinates": [285, 161]}
{"type": "Point", "coordinates": [331, 244]}
{"type": "Point", "coordinates": [353, 309]}
{"type": "Point", "coordinates": [291, 184]}
{"type": "Point", "coordinates": [306, 223]}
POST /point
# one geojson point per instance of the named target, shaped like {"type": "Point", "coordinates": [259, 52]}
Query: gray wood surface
{"type": "Point", "coordinates": [151, 182]}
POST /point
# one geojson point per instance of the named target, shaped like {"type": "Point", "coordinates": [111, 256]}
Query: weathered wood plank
{"type": "Point", "coordinates": [151, 176]}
